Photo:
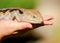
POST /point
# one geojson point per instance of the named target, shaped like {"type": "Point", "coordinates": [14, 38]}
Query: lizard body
{"type": "Point", "coordinates": [28, 15]}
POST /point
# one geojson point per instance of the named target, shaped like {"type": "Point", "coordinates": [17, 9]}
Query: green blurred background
{"type": "Point", "coordinates": [17, 3]}
{"type": "Point", "coordinates": [48, 9]}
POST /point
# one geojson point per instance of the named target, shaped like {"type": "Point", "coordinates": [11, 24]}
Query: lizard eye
{"type": "Point", "coordinates": [34, 16]}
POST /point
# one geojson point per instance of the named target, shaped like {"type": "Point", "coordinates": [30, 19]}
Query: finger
{"type": "Point", "coordinates": [21, 26]}
{"type": "Point", "coordinates": [46, 18]}
{"type": "Point", "coordinates": [48, 22]}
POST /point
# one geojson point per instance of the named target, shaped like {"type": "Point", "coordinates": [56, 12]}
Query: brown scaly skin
{"type": "Point", "coordinates": [27, 15]}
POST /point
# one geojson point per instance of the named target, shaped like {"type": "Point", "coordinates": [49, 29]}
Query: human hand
{"type": "Point", "coordinates": [8, 27]}
{"type": "Point", "coordinates": [47, 20]}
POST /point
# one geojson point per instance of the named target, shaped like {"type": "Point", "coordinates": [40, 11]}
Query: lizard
{"type": "Point", "coordinates": [32, 16]}
{"type": "Point", "coordinates": [20, 14]}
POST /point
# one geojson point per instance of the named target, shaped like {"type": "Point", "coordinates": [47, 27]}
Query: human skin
{"type": "Point", "coordinates": [8, 27]}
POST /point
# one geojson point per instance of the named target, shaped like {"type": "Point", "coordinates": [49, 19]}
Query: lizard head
{"type": "Point", "coordinates": [32, 16]}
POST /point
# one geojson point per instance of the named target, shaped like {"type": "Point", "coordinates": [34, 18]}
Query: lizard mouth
{"type": "Point", "coordinates": [36, 25]}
